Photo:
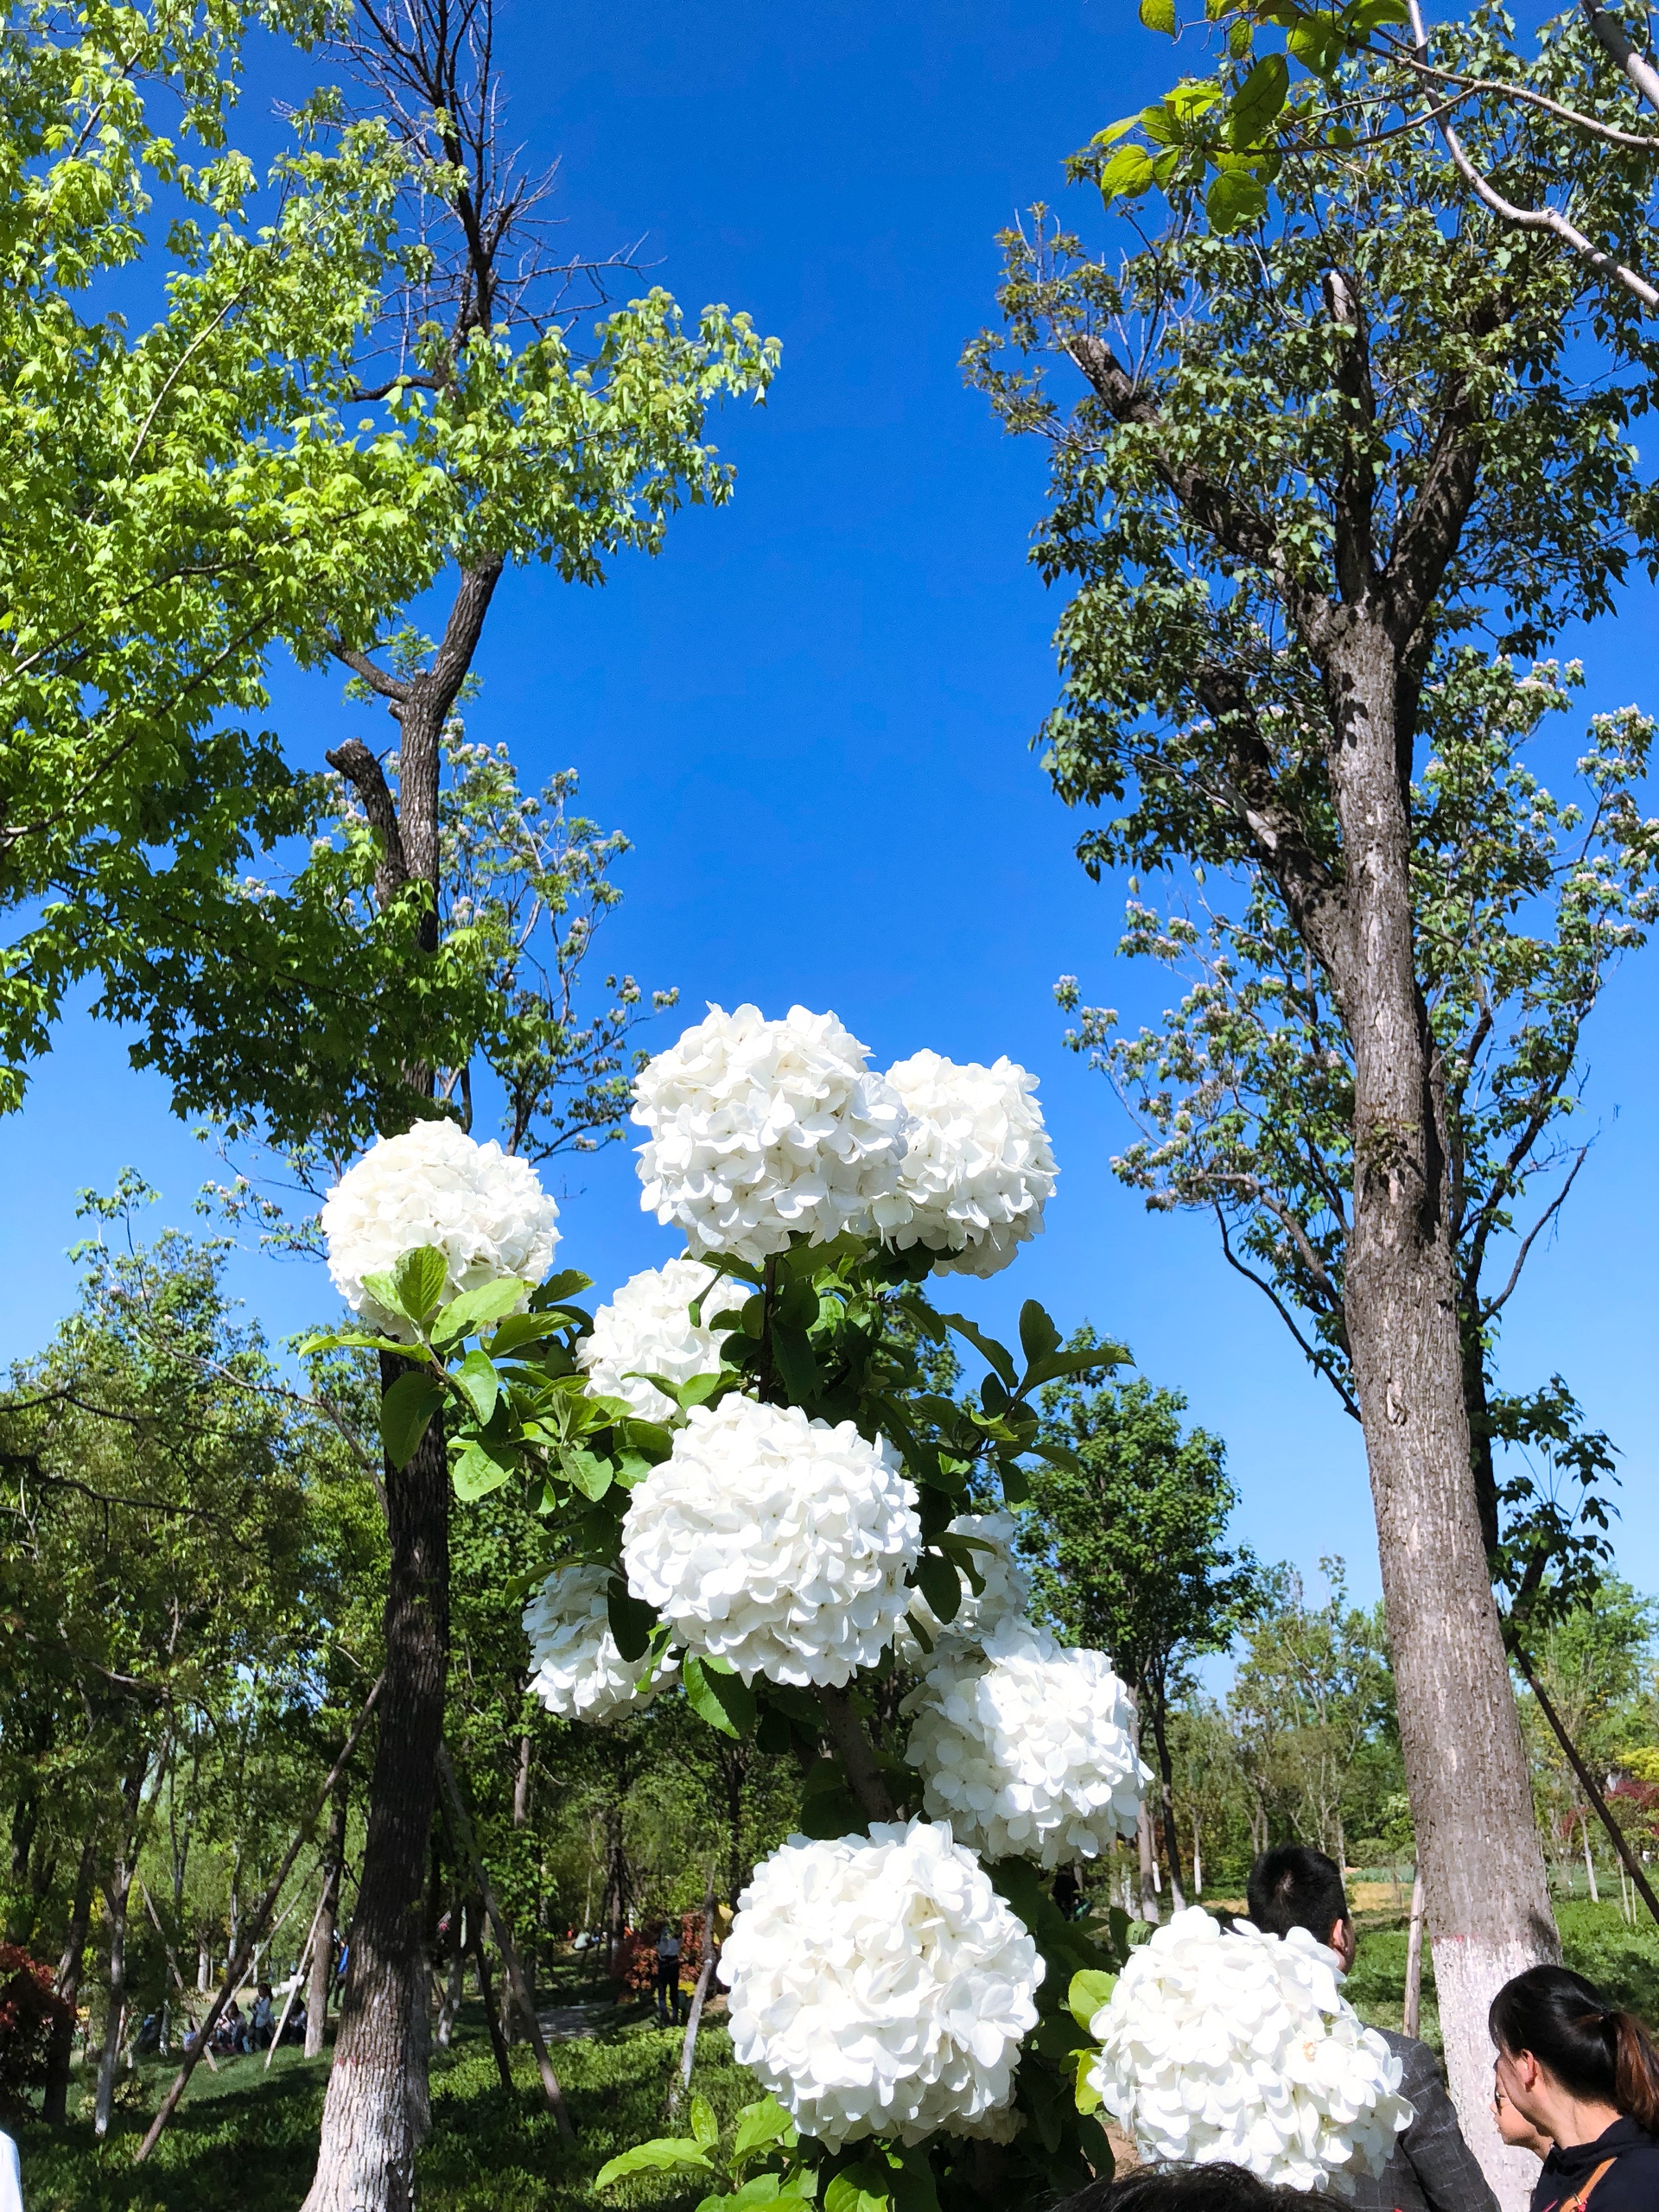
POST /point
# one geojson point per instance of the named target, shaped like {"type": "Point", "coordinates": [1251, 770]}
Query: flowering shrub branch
{"type": "Point", "coordinates": [752, 1489]}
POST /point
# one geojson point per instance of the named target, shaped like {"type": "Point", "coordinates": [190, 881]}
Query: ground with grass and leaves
{"type": "Point", "coordinates": [245, 2140]}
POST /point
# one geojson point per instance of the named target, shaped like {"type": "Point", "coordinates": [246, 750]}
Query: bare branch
{"type": "Point", "coordinates": [1495, 1305]}
{"type": "Point", "coordinates": [1315, 1355]}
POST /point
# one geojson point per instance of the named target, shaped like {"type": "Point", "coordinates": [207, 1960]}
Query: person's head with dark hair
{"type": "Point", "coordinates": [1190, 2188]}
{"type": "Point", "coordinates": [1569, 2062]}
{"type": "Point", "coordinates": [1295, 1886]}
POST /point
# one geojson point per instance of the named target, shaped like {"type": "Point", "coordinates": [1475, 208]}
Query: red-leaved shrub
{"type": "Point", "coordinates": [29, 2010]}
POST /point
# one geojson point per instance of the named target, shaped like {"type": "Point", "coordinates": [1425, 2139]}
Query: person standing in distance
{"type": "Point", "coordinates": [1432, 2169]}
{"type": "Point", "coordinates": [1585, 2077]}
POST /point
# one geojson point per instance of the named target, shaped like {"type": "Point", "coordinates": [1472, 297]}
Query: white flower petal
{"type": "Point", "coordinates": [1231, 2044]}
{"type": "Point", "coordinates": [577, 1669]}
{"type": "Point", "coordinates": [879, 1985]}
{"type": "Point", "coordinates": [779, 1543]}
{"type": "Point", "coordinates": [487, 1214]}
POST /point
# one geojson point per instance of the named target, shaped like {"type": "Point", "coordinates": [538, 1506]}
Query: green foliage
{"type": "Point", "coordinates": [235, 480]}
{"type": "Point", "coordinates": [1207, 514]}
{"type": "Point", "coordinates": [1128, 1541]}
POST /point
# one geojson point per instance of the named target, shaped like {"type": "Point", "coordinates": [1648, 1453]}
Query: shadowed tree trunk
{"type": "Point", "coordinates": [55, 2099]}
{"type": "Point", "coordinates": [322, 1949]}
{"type": "Point", "coordinates": [374, 2109]}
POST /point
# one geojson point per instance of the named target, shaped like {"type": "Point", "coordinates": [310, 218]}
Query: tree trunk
{"type": "Point", "coordinates": [1413, 2005]}
{"type": "Point", "coordinates": [54, 2101]}
{"type": "Point", "coordinates": [322, 1950]}
{"type": "Point", "coordinates": [1143, 1844]}
{"type": "Point", "coordinates": [492, 2018]}
{"type": "Point", "coordinates": [115, 1896]}
{"type": "Point", "coordinates": [1166, 1793]}
{"type": "Point", "coordinates": [1589, 1859]}
{"type": "Point", "coordinates": [1488, 1905]}
{"type": "Point", "coordinates": [365, 2160]}
{"type": "Point", "coordinates": [521, 1785]}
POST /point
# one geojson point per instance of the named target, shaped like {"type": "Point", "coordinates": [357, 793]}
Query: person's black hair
{"type": "Point", "coordinates": [1190, 2188]}
{"type": "Point", "coordinates": [1594, 2050]}
{"type": "Point", "coordinates": [1295, 1886]}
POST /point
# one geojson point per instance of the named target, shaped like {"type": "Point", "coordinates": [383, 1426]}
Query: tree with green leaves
{"type": "Point", "coordinates": [1282, 88]}
{"type": "Point", "coordinates": [1312, 1703]}
{"type": "Point", "coordinates": [1330, 487]}
{"type": "Point", "coordinates": [1129, 1546]}
{"type": "Point", "coordinates": [171, 1539]}
{"type": "Point", "coordinates": [390, 387]}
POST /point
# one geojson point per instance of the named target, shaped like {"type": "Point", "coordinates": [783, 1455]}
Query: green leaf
{"type": "Point", "coordinates": [704, 2126]}
{"type": "Point", "coordinates": [406, 1410]}
{"type": "Point", "coordinates": [940, 1584]}
{"type": "Point", "coordinates": [632, 1621]}
{"type": "Point", "coordinates": [791, 1355]}
{"type": "Point", "coordinates": [478, 1384]}
{"type": "Point", "coordinates": [1089, 1991]}
{"type": "Point", "coordinates": [348, 1340]}
{"type": "Point", "coordinates": [517, 1331]}
{"type": "Point", "coordinates": [1257, 103]}
{"type": "Point", "coordinates": [760, 2126]}
{"type": "Point", "coordinates": [997, 1356]}
{"type": "Point", "coordinates": [1038, 1335]}
{"type": "Point", "coordinates": [419, 1280]}
{"type": "Point", "coordinates": [1087, 2096]}
{"type": "Point", "coordinates": [1129, 173]}
{"type": "Point", "coordinates": [479, 1470]}
{"type": "Point", "coordinates": [1016, 1484]}
{"type": "Point", "coordinates": [666, 2154]}
{"type": "Point", "coordinates": [866, 2187]}
{"type": "Point", "coordinates": [1234, 202]}
{"type": "Point", "coordinates": [911, 2182]}
{"type": "Point", "coordinates": [585, 1472]}
{"type": "Point", "coordinates": [470, 1313]}
{"type": "Point", "coordinates": [566, 1284]}
{"type": "Point", "coordinates": [724, 1701]}
{"type": "Point", "coordinates": [1158, 16]}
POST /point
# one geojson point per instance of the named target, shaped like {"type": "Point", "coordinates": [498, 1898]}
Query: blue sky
{"type": "Point", "coordinates": [810, 714]}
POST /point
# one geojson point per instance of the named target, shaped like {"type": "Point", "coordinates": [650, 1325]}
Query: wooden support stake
{"type": "Point", "coordinates": [299, 1971]}
{"type": "Point", "coordinates": [1414, 1960]}
{"type": "Point", "coordinates": [505, 1943]}
{"type": "Point", "coordinates": [173, 1968]}
{"type": "Point", "coordinates": [693, 2018]}
{"type": "Point", "coordinates": [237, 1966]}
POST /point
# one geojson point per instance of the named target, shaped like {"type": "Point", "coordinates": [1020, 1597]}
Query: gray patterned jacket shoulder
{"type": "Point", "coordinates": [1432, 2169]}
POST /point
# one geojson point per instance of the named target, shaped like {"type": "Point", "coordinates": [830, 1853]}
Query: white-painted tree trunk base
{"type": "Point", "coordinates": [1467, 1976]}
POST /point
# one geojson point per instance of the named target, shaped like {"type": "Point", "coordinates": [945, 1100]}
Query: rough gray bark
{"type": "Point", "coordinates": [366, 2157]}
{"type": "Point", "coordinates": [1483, 1883]}
{"type": "Point", "coordinates": [1363, 628]}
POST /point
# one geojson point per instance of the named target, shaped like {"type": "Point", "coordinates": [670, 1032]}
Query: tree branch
{"type": "Point", "coordinates": [1317, 1358]}
{"type": "Point", "coordinates": [1531, 1238]}
{"type": "Point", "coordinates": [846, 1733]}
{"type": "Point", "coordinates": [357, 765]}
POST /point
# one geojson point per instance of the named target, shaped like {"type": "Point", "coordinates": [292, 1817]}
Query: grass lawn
{"type": "Point", "coordinates": [246, 2140]}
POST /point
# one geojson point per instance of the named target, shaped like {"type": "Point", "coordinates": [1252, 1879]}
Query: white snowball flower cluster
{"type": "Point", "coordinates": [758, 1130]}
{"type": "Point", "coordinates": [1025, 1748]}
{"type": "Point", "coordinates": [879, 1985]}
{"type": "Point", "coordinates": [1239, 2046]}
{"type": "Point", "coordinates": [646, 1329]}
{"type": "Point", "coordinates": [779, 1543]}
{"type": "Point", "coordinates": [979, 1166]}
{"type": "Point", "coordinates": [577, 1669]}
{"type": "Point", "coordinates": [1005, 1597]}
{"type": "Point", "coordinates": [488, 1215]}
